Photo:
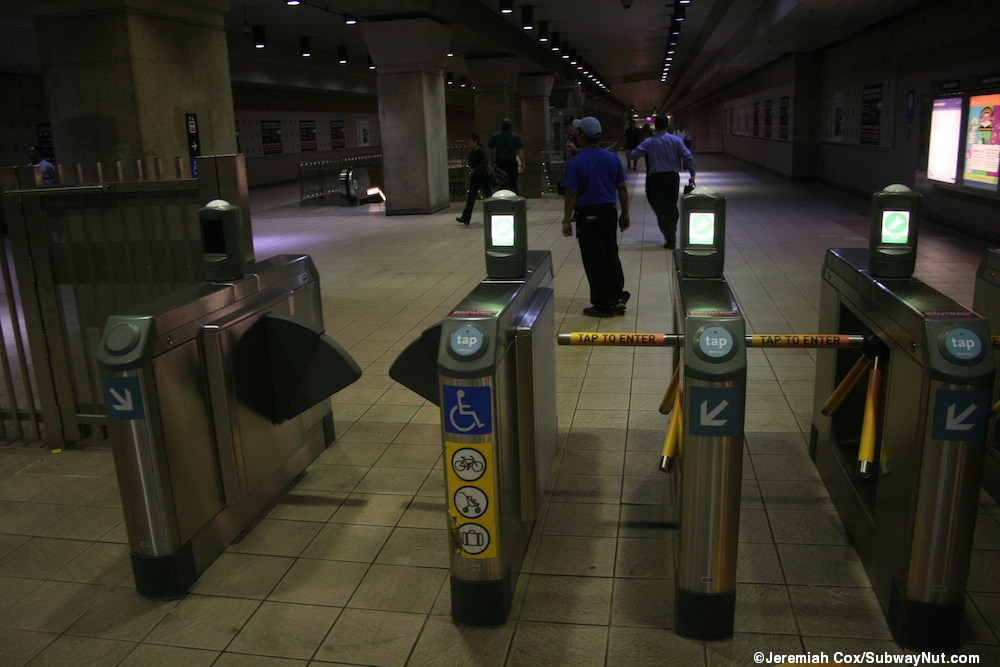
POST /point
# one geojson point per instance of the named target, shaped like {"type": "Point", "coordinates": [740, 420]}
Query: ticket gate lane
{"type": "Point", "coordinates": [986, 302]}
{"type": "Point", "coordinates": [913, 522]}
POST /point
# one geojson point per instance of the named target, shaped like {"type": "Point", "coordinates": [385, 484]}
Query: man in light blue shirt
{"type": "Point", "coordinates": [666, 155]}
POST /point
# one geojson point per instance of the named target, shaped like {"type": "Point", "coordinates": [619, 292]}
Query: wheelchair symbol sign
{"type": "Point", "coordinates": [468, 410]}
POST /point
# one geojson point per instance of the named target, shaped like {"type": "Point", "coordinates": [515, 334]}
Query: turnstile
{"type": "Point", "coordinates": [217, 400]}
{"type": "Point", "coordinates": [709, 458]}
{"type": "Point", "coordinates": [986, 302]}
{"type": "Point", "coordinates": [490, 366]}
{"type": "Point", "coordinates": [912, 517]}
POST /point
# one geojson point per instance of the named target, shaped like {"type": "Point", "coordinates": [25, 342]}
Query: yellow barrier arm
{"type": "Point", "coordinates": [805, 340]}
{"type": "Point", "coordinates": [846, 386]}
{"type": "Point", "coordinates": [668, 398]}
{"type": "Point", "coordinates": [866, 448]}
{"type": "Point", "coordinates": [670, 443]}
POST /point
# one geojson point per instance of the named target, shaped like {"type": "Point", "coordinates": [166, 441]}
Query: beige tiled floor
{"type": "Point", "coordinates": [351, 566]}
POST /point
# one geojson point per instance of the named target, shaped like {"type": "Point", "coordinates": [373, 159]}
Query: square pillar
{"type": "Point", "coordinates": [120, 75]}
{"type": "Point", "coordinates": [409, 57]}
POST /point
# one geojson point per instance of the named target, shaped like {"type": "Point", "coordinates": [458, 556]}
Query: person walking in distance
{"type": "Point", "coordinates": [666, 155]}
{"type": "Point", "coordinates": [633, 136]}
{"type": "Point", "coordinates": [479, 176]}
{"type": "Point", "coordinates": [594, 178]}
{"type": "Point", "coordinates": [507, 147]}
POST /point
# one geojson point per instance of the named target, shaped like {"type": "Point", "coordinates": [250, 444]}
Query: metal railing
{"type": "Point", "coordinates": [77, 253]}
{"type": "Point", "coordinates": [321, 179]}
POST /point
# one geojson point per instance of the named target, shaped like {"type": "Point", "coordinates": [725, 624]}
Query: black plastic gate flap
{"type": "Point", "coordinates": [416, 367]}
{"type": "Point", "coordinates": [306, 365]}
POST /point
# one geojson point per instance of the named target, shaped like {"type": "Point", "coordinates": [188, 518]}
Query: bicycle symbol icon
{"type": "Point", "coordinates": [468, 464]}
{"type": "Point", "coordinates": [464, 410]}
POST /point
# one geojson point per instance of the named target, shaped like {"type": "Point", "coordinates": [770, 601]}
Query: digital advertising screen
{"type": "Point", "coordinates": [982, 143]}
{"type": "Point", "coordinates": [946, 133]}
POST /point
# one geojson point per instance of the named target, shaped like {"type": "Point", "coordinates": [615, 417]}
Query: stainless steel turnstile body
{"type": "Point", "coordinates": [912, 521]}
{"type": "Point", "coordinates": [986, 302]}
{"type": "Point", "coordinates": [490, 366]}
{"type": "Point", "coordinates": [204, 438]}
{"type": "Point", "coordinates": [511, 388]}
{"type": "Point", "coordinates": [709, 466]}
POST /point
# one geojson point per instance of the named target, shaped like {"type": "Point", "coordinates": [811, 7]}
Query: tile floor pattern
{"type": "Point", "coordinates": [350, 567]}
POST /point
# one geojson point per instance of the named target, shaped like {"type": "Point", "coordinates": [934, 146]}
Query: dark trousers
{"type": "Point", "coordinates": [597, 231]}
{"type": "Point", "coordinates": [662, 189]}
{"type": "Point", "coordinates": [509, 165]}
{"type": "Point", "coordinates": [477, 183]}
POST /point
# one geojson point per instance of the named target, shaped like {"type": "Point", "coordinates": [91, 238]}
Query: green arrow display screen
{"type": "Point", "coordinates": [502, 231]}
{"type": "Point", "coordinates": [895, 227]}
{"type": "Point", "coordinates": [701, 228]}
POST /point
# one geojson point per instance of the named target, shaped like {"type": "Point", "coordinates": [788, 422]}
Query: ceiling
{"type": "Point", "coordinates": [719, 42]}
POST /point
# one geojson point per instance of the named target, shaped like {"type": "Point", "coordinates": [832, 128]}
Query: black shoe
{"type": "Point", "coordinates": [464, 222]}
{"type": "Point", "coordinates": [594, 311]}
{"type": "Point", "coordinates": [668, 245]}
{"type": "Point", "coordinates": [619, 306]}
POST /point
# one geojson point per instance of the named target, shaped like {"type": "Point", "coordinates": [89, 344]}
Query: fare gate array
{"type": "Point", "coordinates": [490, 367]}
{"type": "Point", "coordinates": [905, 484]}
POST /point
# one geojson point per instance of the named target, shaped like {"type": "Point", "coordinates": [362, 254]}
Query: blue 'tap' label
{"type": "Point", "coordinates": [963, 344]}
{"type": "Point", "coordinates": [467, 341]}
{"type": "Point", "coordinates": [715, 342]}
{"type": "Point", "coordinates": [467, 410]}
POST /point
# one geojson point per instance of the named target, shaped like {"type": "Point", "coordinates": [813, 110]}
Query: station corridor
{"type": "Point", "coordinates": [351, 566]}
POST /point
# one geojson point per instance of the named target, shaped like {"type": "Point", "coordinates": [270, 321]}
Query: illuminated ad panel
{"type": "Point", "coordinates": [982, 143]}
{"type": "Point", "coordinates": [946, 132]}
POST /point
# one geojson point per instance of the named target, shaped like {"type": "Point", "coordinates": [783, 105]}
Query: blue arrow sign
{"type": "Point", "coordinates": [960, 415]}
{"type": "Point", "coordinates": [123, 397]}
{"type": "Point", "coordinates": [467, 410]}
{"type": "Point", "coordinates": [715, 411]}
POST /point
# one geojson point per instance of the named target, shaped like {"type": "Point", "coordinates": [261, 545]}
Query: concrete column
{"type": "Point", "coordinates": [495, 80]}
{"type": "Point", "coordinates": [120, 75]}
{"type": "Point", "coordinates": [536, 129]}
{"type": "Point", "coordinates": [409, 57]}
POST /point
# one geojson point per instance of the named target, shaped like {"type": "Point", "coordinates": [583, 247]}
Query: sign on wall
{"type": "Point", "coordinates": [337, 139]}
{"type": "Point", "coordinates": [307, 135]}
{"type": "Point", "coordinates": [871, 114]}
{"type": "Point", "coordinates": [270, 136]}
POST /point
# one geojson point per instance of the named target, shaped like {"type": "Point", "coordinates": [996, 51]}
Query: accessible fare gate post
{"type": "Point", "coordinates": [712, 384]}
{"type": "Point", "coordinates": [490, 367]}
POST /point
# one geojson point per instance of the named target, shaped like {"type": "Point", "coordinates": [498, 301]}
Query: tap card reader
{"type": "Point", "coordinates": [506, 227]}
{"type": "Point", "coordinates": [892, 240]}
{"type": "Point", "coordinates": [703, 234]}
{"type": "Point", "coordinates": [222, 241]}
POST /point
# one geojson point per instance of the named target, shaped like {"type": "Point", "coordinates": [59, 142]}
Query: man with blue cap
{"type": "Point", "coordinates": [594, 178]}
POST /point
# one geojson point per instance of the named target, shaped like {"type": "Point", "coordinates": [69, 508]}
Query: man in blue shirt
{"type": "Point", "coordinates": [593, 179]}
{"type": "Point", "coordinates": [666, 155]}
